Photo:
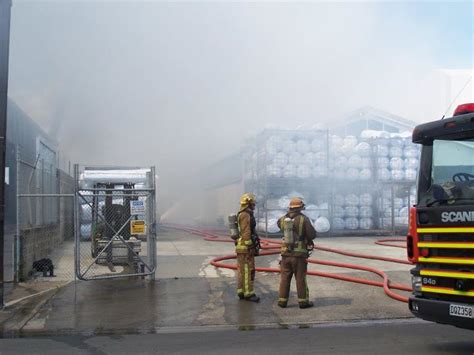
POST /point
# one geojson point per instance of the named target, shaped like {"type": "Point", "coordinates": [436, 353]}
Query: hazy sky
{"type": "Point", "coordinates": [181, 84]}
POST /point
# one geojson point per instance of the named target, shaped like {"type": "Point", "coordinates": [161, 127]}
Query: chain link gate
{"type": "Point", "coordinates": [115, 234]}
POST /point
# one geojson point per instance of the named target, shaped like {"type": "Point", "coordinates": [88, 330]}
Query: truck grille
{"type": "Point", "coordinates": [447, 267]}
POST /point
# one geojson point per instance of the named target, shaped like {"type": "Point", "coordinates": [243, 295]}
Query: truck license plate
{"type": "Point", "coordinates": [461, 311]}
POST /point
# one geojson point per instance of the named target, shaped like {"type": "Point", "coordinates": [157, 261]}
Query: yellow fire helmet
{"type": "Point", "coordinates": [247, 199]}
{"type": "Point", "coordinates": [296, 203]}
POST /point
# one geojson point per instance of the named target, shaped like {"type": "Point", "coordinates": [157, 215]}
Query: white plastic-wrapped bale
{"type": "Point", "coordinates": [295, 158]}
{"type": "Point", "coordinates": [350, 141]}
{"type": "Point", "coordinates": [338, 211]}
{"type": "Point", "coordinates": [381, 150]}
{"type": "Point", "coordinates": [289, 171]}
{"type": "Point", "coordinates": [354, 161]}
{"type": "Point", "coordinates": [338, 223]}
{"type": "Point", "coordinates": [303, 146]}
{"type": "Point", "coordinates": [365, 175]}
{"type": "Point", "coordinates": [396, 152]}
{"type": "Point", "coordinates": [385, 202]}
{"type": "Point", "coordinates": [86, 231]}
{"type": "Point", "coordinates": [411, 152]}
{"type": "Point", "coordinates": [398, 203]}
{"type": "Point", "coordinates": [384, 174]}
{"type": "Point", "coordinates": [411, 163]}
{"type": "Point", "coordinates": [387, 212]}
{"type": "Point", "coordinates": [318, 144]}
{"type": "Point", "coordinates": [276, 214]}
{"type": "Point", "coordinates": [304, 171]}
{"type": "Point", "coordinates": [410, 174]}
{"type": "Point", "coordinates": [385, 222]}
{"type": "Point", "coordinates": [341, 162]}
{"type": "Point", "coordinates": [352, 174]}
{"type": "Point", "coordinates": [86, 213]}
{"type": "Point", "coordinates": [401, 221]}
{"type": "Point", "coordinates": [312, 212]}
{"type": "Point", "coordinates": [366, 163]}
{"type": "Point", "coordinates": [396, 142]}
{"type": "Point", "coordinates": [369, 134]}
{"type": "Point", "coordinates": [320, 158]}
{"type": "Point", "coordinates": [283, 202]}
{"type": "Point", "coordinates": [288, 146]}
{"type": "Point", "coordinates": [322, 225]}
{"type": "Point", "coordinates": [339, 200]}
{"type": "Point", "coordinates": [351, 200]}
{"type": "Point", "coordinates": [272, 226]}
{"type": "Point", "coordinates": [351, 211]}
{"type": "Point", "coordinates": [347, 150]}
{"type": "Point", "coordinates": [383, 162]}
{"type": "Point", "coordinates": [397, 175]}
{"type": "Point", "coordinates": [366, 223]}
{"type": "Point", "coordinates": [365, 199]}
{"type": "Point", "coordinates": [396, 163]}
{"type": "Point", "coordinates": [320, 171]}
{"type": "Point", "coordinates": [363, 149]}
{"type": "Point", "coordinates": [351, 223]}
{"type": "Point", "coordinates": [272, 147]}
{"type": "Point", "coordinates": [309, 159]}
{"type": "Point", "coordinates": [280, 160]}
{"type": "Point", "coordinates": [365, 211]}
{"type": "Point", "coordinates": [274, 171]}
{"type": "Point", "coordinates": [404, 212]}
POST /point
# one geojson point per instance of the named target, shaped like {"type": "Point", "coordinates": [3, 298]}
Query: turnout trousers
{"type": "Point", "coordinates": [245, 273]}
{"type": "Point", "coordinates": [296, 265]}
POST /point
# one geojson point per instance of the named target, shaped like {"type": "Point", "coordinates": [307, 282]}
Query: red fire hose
{"type": "Point", "coordinates": [272, 247]}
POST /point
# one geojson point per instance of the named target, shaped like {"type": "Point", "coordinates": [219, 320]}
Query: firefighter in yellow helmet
{"type": "Point", "coordinates": [246, 247]}
{"type": "Point", "coordinates": [297, 242]}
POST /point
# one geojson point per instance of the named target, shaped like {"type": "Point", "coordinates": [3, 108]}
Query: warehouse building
{"type": "Point", "coordinates": [34, 227]}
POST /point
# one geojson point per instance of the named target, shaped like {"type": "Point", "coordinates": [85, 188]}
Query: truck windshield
{"type": "Point", "coordinates": [452, 173]}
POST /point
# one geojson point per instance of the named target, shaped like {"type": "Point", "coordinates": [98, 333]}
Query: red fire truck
{"type": "Point", "coordinates": [440, 240]}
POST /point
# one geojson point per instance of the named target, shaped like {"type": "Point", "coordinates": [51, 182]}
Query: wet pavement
{"type": "Point", "coordinates": [188, 293]}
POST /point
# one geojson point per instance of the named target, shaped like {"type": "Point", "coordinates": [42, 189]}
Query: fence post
{"type": "Point", "coordinates": [18, 218]}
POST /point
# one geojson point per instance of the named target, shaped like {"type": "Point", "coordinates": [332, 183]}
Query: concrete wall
{"type": "Point", "coordinates": [37, 243]}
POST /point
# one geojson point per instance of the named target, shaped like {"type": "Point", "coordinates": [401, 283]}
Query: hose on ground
{"type": "Point", "coordinates": [271, 247]}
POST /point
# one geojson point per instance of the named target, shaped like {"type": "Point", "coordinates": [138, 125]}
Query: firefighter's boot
{"type": "Point", "coordinates": [253, 298]}
{"type": "Point", "coordinates": [307, 304]}
{"type": "Point", "coordinates": [282, 304]}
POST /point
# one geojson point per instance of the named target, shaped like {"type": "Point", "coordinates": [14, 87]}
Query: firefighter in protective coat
{"type": "Point", "coordinates": [246, 247]}
{"type": "Point", "coordinates": [297, 242]}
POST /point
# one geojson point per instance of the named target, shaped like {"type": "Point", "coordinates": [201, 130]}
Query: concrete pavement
{"type": "Point", "coordinates": [188, 293]}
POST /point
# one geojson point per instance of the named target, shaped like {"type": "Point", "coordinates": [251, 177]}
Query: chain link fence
{"type": "Point", "coordinates": [44, 244]}
{"type": "Point", "coordinates": [115, 218]}
{"type": "Point", "coordinates": [98, 224]}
